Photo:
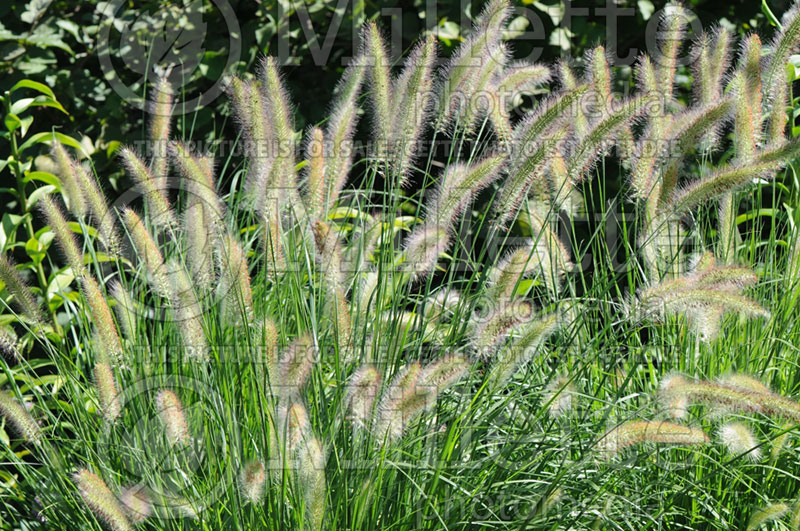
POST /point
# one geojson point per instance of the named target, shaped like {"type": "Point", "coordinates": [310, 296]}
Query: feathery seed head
{"type": "Point", "coordinates": [295, 365]}
{"type": "Point", "coordinates": [17, 416]}
{"type": "Point", "coordinates": [251, 481]}
{"type": "Point", "coordinates": [763, 515]}
{"type": "Point", "coordinates": [523, 347]}
{"type": "Point", "coordinates": [9, 348]}
{"type": "Point", "coordinates": [16, 286]}
{"type": "Point", "coordinates": [170, 410]}
{"type": "Point", "coordinates": [559, 396]}
{"type": "Point", "coordinates": [373, 54]}
{"type": "Point", "coordinates": [161, 107]}
{"type": "Point", "coordinates": [459, 184]}
{"type": "Point", "coordinates": [103, 319]}
{"type": "Point", "coordinates": [423, 248]}
{"type": "Point", "coordinates": [362, 391]}
{"type": "Point", "coordinates": [106, 391]}
{"type": "Point", "coordinates": [492, 329]}
{"type": "Point", "coordinates": [158, 205]}
{"type": "Point", "coordinates": [311, 473]}
{"type": "Point", "coordinates": [234, 285]}
{"type": "Point", "coordinates": [104, 220]}
{"type": "Point", "coordinates": [316, 185]}
{"type": "Point", "coordinates": [641, 431]}
{"type": "Point", "coordinates": [199, 243]}
{"type": "Point", "coordinates": [739, 439]}
{"type": "Point", "coordinates": [70, 181]}
{"type": "Point", "coordinates": [401, 402]}
{"type": "Point", "coordinates": [99, 498]}
{"type": "Point", "coordinates": [197, 173]}
{"type": "Point", "coordinates": [63, 235]}
{"type": "Point", "coordinates": [126, 310]}
{"type": "Point", "coordinates": [443, 373]}
{"type": "Point", "coordinates": [148, 252]}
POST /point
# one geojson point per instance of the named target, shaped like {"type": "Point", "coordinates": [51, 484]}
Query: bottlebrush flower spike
{"type": "Point", "coordinates": [99, 498]}
{"type": "Point", "coordinates": [198, 231]}
{"type": "Point", "coordinates": [107, 391]}
{"type": "Point", "coordinates": [188, 313]}
{"type": "Point", "coordinates": [198, 176]}
{"type": "Point", "coordinates": [234, 284]}
{"type": "Point", "coordinates": [296, 363]}
{"type": "Point", "coordinates": [161, 107]}
{"type": "Point", "coordinates": [518, 78]}
{"type": "Point", "coordinates": [531, 337]}
{"type": "Point", "coordinates": [24, 298]}
{"type": "Point", "coordinates": [148, 252]}
{"type": "Point", "coordinates": [103, 218]}
{"type": "Point", "coordinates": [763, 515]}
{"type": "Point", "coordinates": [484, 97]}
{"type": "Point", "coordinates": [251, 482]}
{"type": "Point", "coordinates": [311, 475]}
{"type": "Point", "coordinates": [125, 310]}
{"type": "Point", "coordinates": [103, 321]}
{"type": "Point", "coordinates": [266, 341]}
{"type": "Point", "coordinates": [9, 348]}
{"type": "Point", "coordinates": [476, 60]}
{"type": "Point", "coordinates": [401, 402]}
{"type": "Point", "coordinates": [729, 398]}
{"type": "Point", "coordinates": [412, 100]}
{"type": "Point", "coordinates": [459, 184]}
{"type": "Point", "coordinates": [443, 373]}
{"type": "Point", "coordinates": [17, 416]}
{"type": "Point", "coordinates": [423, 248]}
{"type": "Point", "coordinates": [159, 209]}
{"type": "Point", "coordinates": [739, 439]}
{"type": "Point", "coordinates": [136, 503]}
{"type": "Point", "coordinates": [492, 329]}
{"type": "Point", "coordinates": [276, 99]}
{"type": "Point", "coordinates": [641, 431]}
{"type": "Point", "coordinates": [63, 235]}
{"type": "Point", "coordinates": [315, 176]}
{"type": "Point", "coordinates": [373, 53]}
{"type": "Point", "coordinates": [170, 410]}
{"type": "Point", "coordinates": [338, 139]}
{"type": "Point", "coordinates": [782, 45]}
{"type": "Point", "coordinates": [745, 382]}
{"type": "Point", "coordinates": [361, 393]}
{"type": "Point", "coordinates": [70, 181]}
{"type": "Point", "coordinates": [292, 426]}
{"type": "Point", "coordinates": [674, 20]}
{"type": "Point", "coordinates": [570, 83]}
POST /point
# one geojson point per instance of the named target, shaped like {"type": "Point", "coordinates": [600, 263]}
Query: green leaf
{"type": "Point", "coordinates": [12, 122]}
{"type": "Point", "coordinates": [26, 124]}
{"type": "Point", "coordinates": [38, 193]}
{"type": "Point", "coordinates": [42, 176]}
{"type": "Point", "coordinates": [773, 20]}
{"type": "Point", "coordinates": [60, 281]}
{"type": "Point", "coordinates": [47, 138]}
{"type": "Point", "coordinates": [33, 85]}
{"type": "Point", "coordinates": [8, 227]}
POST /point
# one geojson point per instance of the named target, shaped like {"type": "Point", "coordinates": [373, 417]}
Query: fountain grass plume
{"type": "Point", "coordinates": [107, 394]}
{"type": "Point", "coordinates": [316, 185]}
{"type": "Point", "coordinates": [70, 181]}
{"type": "Point", "coordinates": [63, 235]}
{"type": "Point", "coordinates": [252, 479]}
{"type": "Point", "coordinates": [103, 320]}
{"type": "Point", "coordinates": [769, 513]}
{"type": "Point", "coordinates": [338, 145]}
{"type": "Point", "coordinates": [136, 503]}
{"type": "Point", "coordinates": [329, 255]}
{"type": "Point", "coordinates": [103, 218]}
{"type": "Point", "coordinates": [272, 242]}
{"type": "Point", "coordinates": [515, 265]}
{"type": "Point", "coordinates": [24, 298]}
{"type": "Point", "coordinates": [602, 135]}
{"type": "Point", "coordinates": [778, 116]}
{"type": "Point", "coordinates": [294, 366]}
{"type": "Point", "coordinates": [148, 252]}
{"type": "Point", "coordinates": [102, 502]}
{"type": "Point", "coordinates": [159, 209]}
{"type": "Point", "coordinates": [412, 101]}
{"type": "Point", "coordinates": [400, 403]}
{"type": "Point", "coordinates": [199, 242]}
{"type": "Point", "coordinates": [738, 438]}
{"type": "Point", "coordinates": [374, 56]}
{"type": "Point", "coordinates": [187, 312]}
{"type": "Point", "coordinates": [643, 431]}
{"type": "Point", "coordinates": [520, 77]}
{"type": "Point", "coordinates": [311, 476]}
{"type": "Point", "coordinates": [553, 258]}
{"type": "Point", "coordinates": [728, 398]}
{"type": "Point", "coordinates": [484, 100]}
{"type": "Point", "coordinates": [9, 348]}
{"type": "Point", "coordinates": [443, 373]}
{"type": "Point", "coordinates": [276, 98]}
{"type": "Point", "coordinates": [570, 83]}
{"type": "Point", "coordinates": [170, 410]}
{"type": "Point", "coordinates": [459, 184]}
{"type": "Point", "coordinates": [234, 286]}
{"type": "Point", "coordinates": [362, 390]}
{"type": "Point", "coordinates": [674, 20]}
{"type": "Point", "coordinates": [293, 426]}
{"type": "Point", "coordinates": [423, 248]}
{"type": "Point", "coordinates": [783, 44]}
{"type": "Point", "coordinates": [468, 67]}
{"type": "Point", "coordinates": [531, 336]}
{"type": "Point", "coordinates": [198, 177]}
{"type": "Point", "coordinates": [161, 108]}
{"type": "Point", "coordinates": [17, 416]}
